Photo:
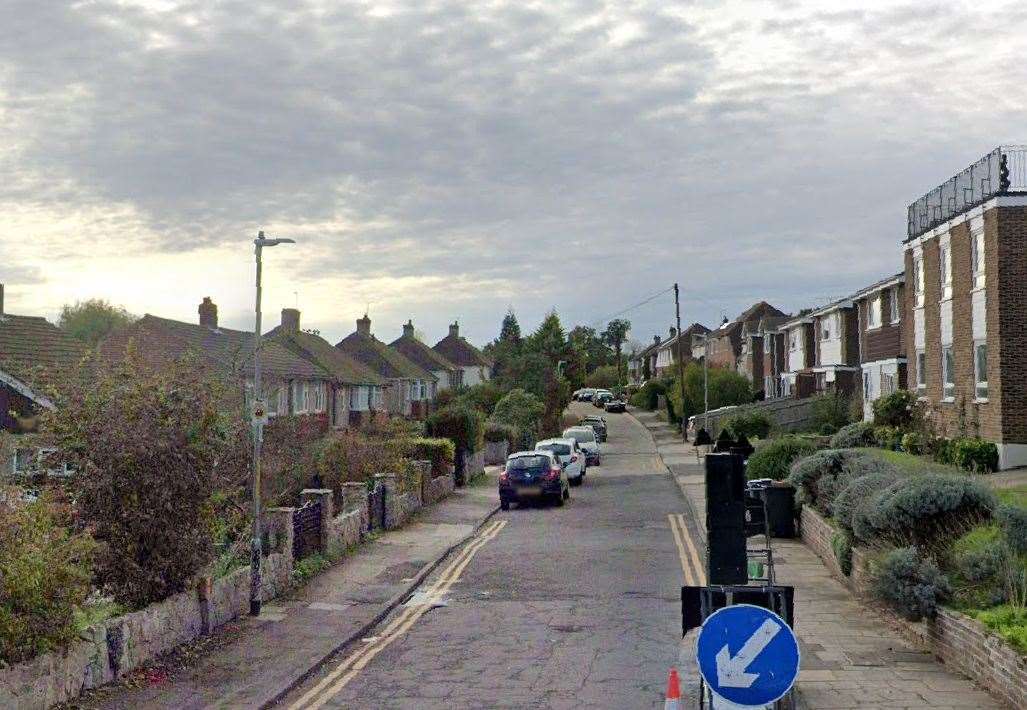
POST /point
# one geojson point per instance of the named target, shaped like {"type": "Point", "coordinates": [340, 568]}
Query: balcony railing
{"type": "Point", "coordinates": [1002, 171]}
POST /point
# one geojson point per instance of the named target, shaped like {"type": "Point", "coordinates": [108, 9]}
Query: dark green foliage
{"type": "Point", "coordinates": [496, 432]}
{"type": "Point", "coordinates": [464, 426]}
{"type": "Point", "coordinates": [827, 429]}
{"type": "Point", "coordinates": [44, 577]}
{"type": "Point", "coordinates": [726, 388]}
{"type": "Point", "coordinates": [841, 544]}
{"type": "Point", "coordinates": [813, 477]}
{"type": "Point", "coordinates": [895, 409]}
{"type": "Point", "coordinates": [1014, 523]}
{"type": "Point", "coordinates": [859, 492]}
{"type": "Point", "coordinates": [482, 397]}
{"type": "Point", "coordinates": [974, 454]}
{"type": "Point", "coordinates": [912, 584]}
{"type": "Point", "coordinates": [93, 320]}
{"type": "Point", "coordinates": [977, 564]}
{"type": "Point", "coordinates": [853, 435]}
{"type": "Point", "coordinates": [924, 511]}
{"type": "Point", "coordinates": [648, 395]}
{"type": "Point", "coordinates": [944, 451]}
{"type": "Point", "coordinates": [774, 458]}
{"type": "Point", "coordinates": [519, 409]}
{"type": "Point", "coordinates": [752, 425]}
{"type": "Point", "coordinates": [441, 453]}
{"type": "Point", "coordinates": [830, 411]}
{"type": "Point", "coordinates": [888, 437]}
{"type": "Point", "coordinates": [913, 443]}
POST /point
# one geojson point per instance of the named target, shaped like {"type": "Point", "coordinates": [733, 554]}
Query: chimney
{"type": "Point", "coordinates": [364, 325]}
{"type": "Point", "coordinates": [656, 340]}
{"type": "Point", "coordinates": [454, 330]}
{"type": "Point", "coordinates": [208, 313]}
{"type": "Point", "coordinates": [290, 320]}
{"type": "Point", "coordinates": [673, 331]}
{"type": "Point", "coordinates": [408, 329]}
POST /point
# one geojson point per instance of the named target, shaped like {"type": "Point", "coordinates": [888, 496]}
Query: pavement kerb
{"type": "Point", "coordinates": [800, 701]}
{"type": "Point", "coordinates": [390, 606]}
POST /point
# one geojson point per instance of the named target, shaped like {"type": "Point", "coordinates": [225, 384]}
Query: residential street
{"type": "Point", "coordinates": [553, 608]}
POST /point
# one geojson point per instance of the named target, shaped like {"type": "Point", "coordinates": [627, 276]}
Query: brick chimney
{"type": "Point", "coordinates": [408, 329]}
{"type": "Point", "coordinates": [290, 320]}
{"type": "Point", "coordinates": [364, 325]}
{"type": "Point", "coordinates": [454, 330]}
{"type": "Point", "coordinates": [208, 313]}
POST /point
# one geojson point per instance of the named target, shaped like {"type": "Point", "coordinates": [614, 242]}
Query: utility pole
{"type": "Point", "coordinates": [681, 358]}
{"type": "Point", "coordinates": [258, 413]}
{"type": "Point", "coordinates": [706, 381]}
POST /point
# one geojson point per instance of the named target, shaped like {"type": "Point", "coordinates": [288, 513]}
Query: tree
{"type": "Point", "coordinates": [549, 339]}
{"type": "Point", "coordinates": [520, 409]}
{"type": "Point", "coordinates": [726, 388]}
{"type": "Point", "coordinates": [91, 321]}
{"type": "Point", "coordinates": [510, 331]}
{"type": "Point", "coordinates": [615, 334]}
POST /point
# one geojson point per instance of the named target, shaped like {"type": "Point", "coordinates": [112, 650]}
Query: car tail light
{"type": "Point", "coordinates": [554, 473]}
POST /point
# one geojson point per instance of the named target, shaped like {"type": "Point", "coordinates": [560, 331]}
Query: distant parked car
{"type": "Point", "coordinates": [570, 456]}
{"type": "Point", "coordinates": [602, 397]}
{"type": "Point", "coordinates": [598, 423]}
{"type": "Point", "coordinates": [588, 441]}
{"type": "Point", "coordinates": [583, 395]}
{"type": "Point", "coordinates": [616, 405]}
{"type": "Point", "coordinates": [532, 475]}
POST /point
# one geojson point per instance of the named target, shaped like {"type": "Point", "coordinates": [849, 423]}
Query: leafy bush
{"type": "Point", "coordinates": [605, 377]}
{"type": "Point", "coordinates": [44, 577]}
{"type": "Point", "coordinates": [977, 563]}
{"type": "Point", "coordinates": [519, 409]}
{"type": "Point", "coordinates": [923, 510]}
{"type": "Point", "coordinates": [648, 396]}
{"type": "Point", "coordinates": [827, 429]}
{"type": "Point", "coordinates": [913, 443]}
{"type": "Point", "coordinates": [911, 584]}
{"type": "Point", "coordinates": [441, 453]}
{"type": "Point", "coordinates": [483, 397]}
{"type": "Point", "coordinates": [888, 437]}
{"type": "Point", "coordinates": [774, 458]}
{"type": "Point", "coordinates": [859, 492]}
{"type": "Point", "coordinates": [974, 454]}
{"type": "Point", "coordinates": [1014, 523]}
{"type": "Point", "coordinates": [895, 409]}
{"type": "Point", "coordinates": [944, 451]}
{"type": "Point", "coordinates": [1009, 622]}
{"type": "Point", "coordinates": [464, 426]}
{"type": "Point", "coordinates": [830, 410]}
{"type": "Point", "coordinates": [752, 425]}
{"type": "Point", "coordinates": [841, 543]}
{"type": "Point", "coordinates": [810, 475]}
{"type": "Point", "coordinates": [353, 457]}
{"type": "Point", "coordinates": [497, 432]}
{"type": "Point", "coordinates": [726, 387]}
{"type": "Point", "coordinates": [853, 435]}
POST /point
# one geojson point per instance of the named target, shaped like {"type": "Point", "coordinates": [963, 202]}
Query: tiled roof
{"type": "Point", "coordinates": [458, 351]}
{"type": "Point", "coordinates": [30, 345]}
{"type": "Point", "coordinates": [389, 363]}
{"type": "Point", "coordinates": [421, 354]}
{"type": "Point", "coordinates": [232, 349]}
{"type": "Point", "coordinates": [347, 369]}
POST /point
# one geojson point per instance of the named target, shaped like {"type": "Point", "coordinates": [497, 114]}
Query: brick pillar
{"type": "Point", "coordinates": [324, 496]}
{"type": "Point", "coordinates": [391, 499]}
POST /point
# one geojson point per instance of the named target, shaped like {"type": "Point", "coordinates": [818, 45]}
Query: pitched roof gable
{"type": "Point", "coordinates": [345, 368]}
{"type": "Point", "coordinates": [421, 354]}
{"type": "Point", "coordinates": [382, 359]}
{"type": "Point", "coordinates": [458, 351]}
{"type": "Point", "coordinates": [29, 344]}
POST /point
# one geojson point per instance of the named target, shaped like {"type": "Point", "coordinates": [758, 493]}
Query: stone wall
{"type": "Point", "coordinates": [496, 452]}
{"type": "Point", "coordinates": [960, 642]}
{"type": "Point", "coordinates": [787, 414]}
{"type": "Point", "coordinates": [438, 488]}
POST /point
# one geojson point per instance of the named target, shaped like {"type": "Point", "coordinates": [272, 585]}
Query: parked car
{"type": "Point", "coordinates": [532, 475]}
{"type": "Point", "coordinates": [598, 423]}
{"type": "Point", "coordinates": [570, 456]}
{"type": "Point", "coordinates": [589, 443]}
{"type": "Point", "coordinates": [602, 397]}
{"type": "Point", "coordinates": [616, 405]}
{"type": "Point", "coordinates": [585, 394]}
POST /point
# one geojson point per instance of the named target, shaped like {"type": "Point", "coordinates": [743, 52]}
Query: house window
{"type": "Point", "coordinates": [299, 397]}
{"type": "Point", "coordinates": [948, 370]}
{"type": "Point", "coordinates": [945, 270]}
{"type": "Point", "coordinates": [358, 398]}
{"type": "Point", "coordinates": [766, 343]}
{"type": "Point", "coordinates": [319, 397]}
{"type": "Point", "coordinates": [894, 301]}
{"type": "Point", "coordinates": [282, 395]}
{"type": "Point", "coordinates": [825, 327]}
{"type": "Point", "coordinates": [866, 386]}
{"type": "Point", "coordinates": [981, 370]}
{"type": "Point", "coordinates": [793, 340]}
{"type": "Point", "coordinates": [273, 398]}
{"type": "Point", "coordinates": [424, 390]}
{"type": "Point", "coordinates": [977, 259]}
{"type": "Point", "coordinates": [918, 281]}
{"type": "Point", "coordinates": [874, 313]}
{"type": "Point", "coordinates": [921, 371]}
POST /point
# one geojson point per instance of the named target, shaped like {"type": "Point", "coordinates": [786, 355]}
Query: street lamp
{"type": "Point", "coordinates": [259, 414]}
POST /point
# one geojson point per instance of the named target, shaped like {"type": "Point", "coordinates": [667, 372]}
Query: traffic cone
{"type": "Point", "coordinates": [673, 701]}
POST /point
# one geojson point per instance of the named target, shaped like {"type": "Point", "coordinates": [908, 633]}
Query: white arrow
{"type": "Point", "coordinates": [731, 671]}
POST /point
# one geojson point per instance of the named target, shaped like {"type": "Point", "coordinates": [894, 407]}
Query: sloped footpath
{"type": "Point", "coordinates": [253, 662]}
{"type": "Point", "coordinates": [851, 657]}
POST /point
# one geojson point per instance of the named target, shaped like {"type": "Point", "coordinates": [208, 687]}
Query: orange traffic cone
{"type": "Point", "coordinates": [673, 701]}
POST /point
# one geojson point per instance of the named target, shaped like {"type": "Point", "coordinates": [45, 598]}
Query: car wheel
{"type": "Point", "coordinates": [504, 505]}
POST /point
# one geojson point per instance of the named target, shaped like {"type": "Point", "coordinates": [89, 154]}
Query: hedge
{"type": "Point", "coordinates": [751, 425]}
{"type": "Point", "coordinates": [441, 453]}
{"type": "Point", "coordinates": [774, 458]}
{"type": "Point", "coordinates": [853, 436]}
{"type": "Point", "coordinates": [461, 424]}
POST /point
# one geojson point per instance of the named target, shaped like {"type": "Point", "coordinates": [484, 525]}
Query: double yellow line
{"type": "Point", "coordinates": [691, 563]}
{"type": "Point", "coordinates": [347, 670]}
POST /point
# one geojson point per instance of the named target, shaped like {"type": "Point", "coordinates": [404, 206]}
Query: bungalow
{"type": "Point", "coordinates": [356, 391]}
{"type": "Point", "coordinates": [409, 388]}
{"type": "Point", "coordinates": [447, 373]}
{"type": "Point", "coordinates": [292, 385]}
{"type": "Point", "coordinates": [647, 360]}
{"type": "Point", "coordinates": [475, 367]}
{"type": "Point", "coordinates": [882, 350]}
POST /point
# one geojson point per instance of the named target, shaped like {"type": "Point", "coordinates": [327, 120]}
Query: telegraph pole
{"type": "Point", "coordinates": [681, 359]}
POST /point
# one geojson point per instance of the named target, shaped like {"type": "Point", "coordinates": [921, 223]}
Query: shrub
{"type": "Point", "coordinates": [647, 396]}
{"type": "Point", "coordinates": [827, 429]}
{"type": "Point", "coordinates": [888, 437]}
{"type": "Point", "coordinates": [1009, 622]}
{"type": "Point", "coordinates": [853, 435]}
{"type": "Point", "coordinates": [44, 577]}
{"type": "Point", "coordinates": [462, 425]}
{"type": "Point", "coordinates": [830, 410]}
{"type": "Point", "coordinates": [497, 432]}
{"type": "Point", "coordinates": [911, 584]}
{"type": "Point", "coordinates": [483, 397]}
{"type": "Point", "coordinates": [519, 409]}
{"type": "Point", "coordinates": [977, 563]}
{"type": "Point", "coordinates": [774, 458]}
{"type": "Point", "coordinates": [913, 443]}
{"type": "Point", "coordinates": [810, 476]}
{"type": "Point", "coordinates": [1014, 523]}
{"type": "Point", "coordinates": [944, 451]}
{"type": "Point", "coordinates": [441, 453]}
{"type": "Point", "coordinates": [841, 543]}
{"type": "Point", "coordinates": [858, 492]}
{"type": "Point", "coordinates": [353, 457]}
{"type": "Point", "coordinates": [923, 510]}
{"type": "Point", "coordinates": [974, 454]}
{"type": "Point", "coordinates": [751, 425]}
{"type": "Point", "coordinates": [895, 409]}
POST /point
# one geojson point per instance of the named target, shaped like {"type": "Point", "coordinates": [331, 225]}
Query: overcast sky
{"type": "Point", "coordinates": [442, 159]}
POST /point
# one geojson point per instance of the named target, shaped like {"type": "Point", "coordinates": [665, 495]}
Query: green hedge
{"type": "Point", "coordinates": [753, 425]}
{"type": "Point", "coordinates": [774, 458]}
{"type": "Point", "coordinates": [461, 424]}
{"type": "Point", "coordinates": [441, 452]}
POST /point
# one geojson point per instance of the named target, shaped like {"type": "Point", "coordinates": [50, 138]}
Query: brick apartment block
{"type": "Point", "coordinates": [882, 349]}
{"type": "Point", "coordinates": [966, 298]}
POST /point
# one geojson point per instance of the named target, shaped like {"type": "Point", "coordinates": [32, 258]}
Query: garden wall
{"type": "Point", "coordinates": [960, 642]}
{"type": "Point", "coordinates": [787, 415]}
{"type": "Point", "coordinates": [496, 452]}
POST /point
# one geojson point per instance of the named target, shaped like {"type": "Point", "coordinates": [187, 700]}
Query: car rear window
{"type": "Point", "coordinates": [527, 463]}
{"type": "Point", "coordinates": [558, 449]}
{"type": "Point", "coordinates": [580, 435]}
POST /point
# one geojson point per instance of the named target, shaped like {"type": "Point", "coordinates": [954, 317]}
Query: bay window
{"type": "Point", "coordinates": [894, 301]}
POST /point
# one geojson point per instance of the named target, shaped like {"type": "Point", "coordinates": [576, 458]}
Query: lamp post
{"type": "Point", "coordinates": [258, 417]}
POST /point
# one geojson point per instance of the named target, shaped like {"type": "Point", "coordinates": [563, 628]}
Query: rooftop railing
{"type": "Point", "coordinates": [1002, 171]}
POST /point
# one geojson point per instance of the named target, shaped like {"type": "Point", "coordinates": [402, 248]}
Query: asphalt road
{"type": "Point", "coordinates": [573, 607]}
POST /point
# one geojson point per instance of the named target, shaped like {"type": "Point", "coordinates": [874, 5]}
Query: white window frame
{"type": "Point", "coordinates": [945, 270]}
{"type": "Point", "coordinates": [282, 395]}
{"type": "Point", "coordinates": [793, 340]}
{"type": "Point", "coordinates": [299, 397]}
{"type": "Point", "coordinates": [320, 400]}
{"type": "Point", "coordinates": [893, 299]}
{"type": "Point", "coordinates": [948, 374]}
{"type": "Point", "coordinates": [921, 371]}
{"type": "Point", "coordinates": [980, 385]}
{"type": "Point", "coordinates": [918, 281]}
{"type": "Point", "coordinates": [874, 312]}
{"type": "Point", "coordinates": [359, 398]}
{"type": "Point", "coordinates": [825, 327]}
{"type": "Point", "coordinates": [866, 386]}
{"type": "Point", "coordinates": [767, 344]}
{"type": "Point", "coordinates": [977, 259]}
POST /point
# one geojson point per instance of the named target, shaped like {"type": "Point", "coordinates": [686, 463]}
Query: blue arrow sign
{"type": "Point", "coordinates": [747, 655]}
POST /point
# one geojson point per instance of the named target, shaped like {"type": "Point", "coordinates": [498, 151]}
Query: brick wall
{"type": "Point", "coordinates": [886, 342]}
{"type": "Point", "coordinates": [1008, 260]}
{"type": "Point", "coordinates": [817, 535]}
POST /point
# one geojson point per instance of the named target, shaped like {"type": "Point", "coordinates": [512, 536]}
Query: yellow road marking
{"type": "Point", "coordinates": [328, 687]}
{"type": "Point", "coordinates": [693, 553]}
{"type": "Point", "coordinates": [685, 567]}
